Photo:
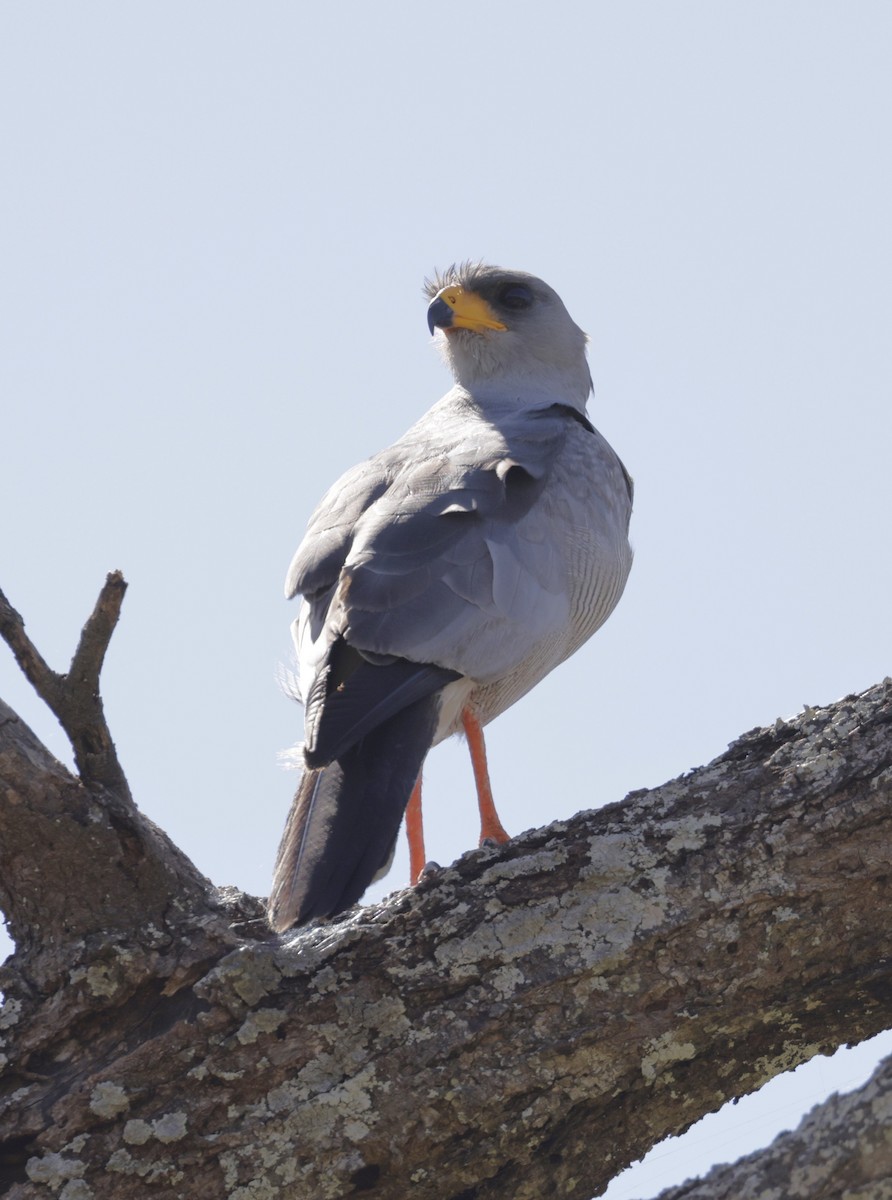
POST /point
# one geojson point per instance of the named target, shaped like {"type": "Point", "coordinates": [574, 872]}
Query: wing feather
{"type": "Point", "coordinates": [450, 547]}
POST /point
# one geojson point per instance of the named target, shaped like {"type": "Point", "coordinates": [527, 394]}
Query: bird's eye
{"type": "Point", "coordinates": [515, 296]}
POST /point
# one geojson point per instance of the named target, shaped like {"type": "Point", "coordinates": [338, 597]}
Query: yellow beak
{"type": "Point", "coordinates": [454, 308]}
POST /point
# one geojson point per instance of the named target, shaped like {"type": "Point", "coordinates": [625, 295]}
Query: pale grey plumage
{"type": "Point", "coordinates": [541, 559]}
{"type": "Point", "coordinates": [490, 541]}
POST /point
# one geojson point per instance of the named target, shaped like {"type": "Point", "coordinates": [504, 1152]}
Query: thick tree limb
{"type": "Point", "coordinates": [78, 864]}
{"type": "Point", "coordinates": [74, 698]}
{"type": "Point", "coordinates": [526, 1022]}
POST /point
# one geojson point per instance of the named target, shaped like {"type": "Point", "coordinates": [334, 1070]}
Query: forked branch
{"type": "Point", "coordinates": [77, 858]}
{"type": "Point", "coordinates": [74, 697]}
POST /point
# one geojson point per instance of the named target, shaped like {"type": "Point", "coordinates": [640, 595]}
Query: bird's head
{"type": "Point", "coordinates": [507, 330]}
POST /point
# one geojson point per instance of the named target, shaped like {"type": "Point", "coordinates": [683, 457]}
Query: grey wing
{"type": "Point", "coordinates": [318, 559]}
{"type": "Point", "coordinates": [457, 564]}
{"type": "Point", "coordinates": [315, 569]}
{"type": "Point", "coordinates": [460, 546]}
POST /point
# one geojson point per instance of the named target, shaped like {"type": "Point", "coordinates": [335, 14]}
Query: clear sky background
{"type": "Point", "coordinates": [215, 221]}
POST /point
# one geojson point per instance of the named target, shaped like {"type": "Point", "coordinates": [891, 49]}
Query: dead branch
{"type": "Point", "coordinates": [74, 697]}
{"type": "Point", "coordinates": [77, 859]}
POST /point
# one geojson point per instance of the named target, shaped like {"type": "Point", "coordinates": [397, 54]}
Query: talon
{"type": "Point", "coordinates": [491, 843]}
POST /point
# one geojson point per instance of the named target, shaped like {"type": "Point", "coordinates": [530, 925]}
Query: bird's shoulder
{"type": "Point", "coordinates": [455, 457]}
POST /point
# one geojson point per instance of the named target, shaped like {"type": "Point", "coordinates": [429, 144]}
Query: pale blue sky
{"type": "Point", "coordinates": [215, 221]}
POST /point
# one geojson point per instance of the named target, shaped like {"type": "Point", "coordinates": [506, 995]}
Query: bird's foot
{"type": "Point", "coordinates": [429, 869]}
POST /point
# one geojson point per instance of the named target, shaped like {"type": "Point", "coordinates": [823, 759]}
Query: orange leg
{"type": "Point", "coordinates": [415, 833]}
{"type": "Point", "coordinates": [490, 825]}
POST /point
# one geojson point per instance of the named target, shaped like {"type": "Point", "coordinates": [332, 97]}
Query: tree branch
{"type": "Point", "coordinates": [74, 698]}
{"type": "Point", "coordinates": [77, 859]}
{"type": "Point", "coordinates": [78, 865]}
{"type": "Point", "coordinates": [841, 1148]}
{"type": "Point", "coordinates": [526, 1022]}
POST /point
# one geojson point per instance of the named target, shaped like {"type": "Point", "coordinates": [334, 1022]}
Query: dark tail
{"type": "Point", "coordinates": [346, 816]}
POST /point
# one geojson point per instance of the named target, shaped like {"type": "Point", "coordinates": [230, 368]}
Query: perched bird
{"type": "Point", "coordinates": [443, 578]}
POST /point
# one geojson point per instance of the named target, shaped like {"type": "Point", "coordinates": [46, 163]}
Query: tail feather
{"type": "Point", "coordinates": [346, 816]}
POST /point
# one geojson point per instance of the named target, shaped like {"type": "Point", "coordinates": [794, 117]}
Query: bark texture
{"type": "Point", "coordinates": [525, 1022]}
{"type": "Point", "coordinates": [842, 1148]}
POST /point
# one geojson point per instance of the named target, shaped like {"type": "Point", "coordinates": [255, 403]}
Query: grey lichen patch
{"type": "Point", "coordinates": [789, 1057]}
{"type": "Point", "coordinates": [343, 1110]}
{"type": "Point", "coordinates": [282, 1099]}
{"type": "Point", "coordinates": [226, 1076]}
{"type": "Point", "coordinates": [663, 1052]}
{"type": "Point", "coordinates": [137, 1132]}
{"type": "Point", "coordinates": [325, 980]}
{"type": "Point", "coordinates": [244, 977]}
{"type": "Point", "coordinates": [102, 979]}
{"type": "Point", "coordinates": [319, 1074]}
{"type": "Point", "coordinates": [420, 1034]}
{"type": "Point", "coordinates": [845, 722]}
{"type": "Point", "coordinates": [331, 1122]}
{"type": "Point", "coordinates": [782, 1017]}
{"type": "Point", "coordinates": [264, 1020]}
{"type": "Point", "coordinates": [826, 767]}
{"type": "Point", "coordinates": [257, 1189]}
{"type": "Point", "coordinates": [612, 856]}
{"type": "Point", "coordinates": [19, 1097]}
{"type": "Point", "coordinates": [590, 984]}
{"type": "Point", "coordinates": [352, 1097]}
{"type": "Point", "coordinates": [505, 981]}
{"type": "Point", "coordinates": [332, 1032]}
{"type": "Point", "coordinates": [54, 1170]}
{"type": "Point", "coordinates": [355, 1131]}
{"type": "Point", "coordinates": [610, 925]}
{"type": "Point", "coordinates": [10, 1013]}
{"type": "Point", "coordinates": [76, 1189]}
{"type": "Point", "coordinates": [531, 864]}
{"type": "Point", "coordinates": [279, 1171]}
{"type": "Point", "coordinates": [514, 933]}
{"type": "Point", "coordinates": [108, 1100]}
{"type": "Point", "coordinates": [385, 1017]}
{"type": "Point", "coordinates": [690, 832]}
{"type": "Point", "coordinates": [122, 1162]}
{"type": "Point", "coordinates": [170, 1128]}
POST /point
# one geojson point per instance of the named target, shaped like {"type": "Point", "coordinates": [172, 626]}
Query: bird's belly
{"type": "Point", "coordinates": [597, 576]}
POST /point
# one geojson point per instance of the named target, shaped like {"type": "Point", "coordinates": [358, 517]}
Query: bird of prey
{"type": "Point", "coordinates": [443, 578]}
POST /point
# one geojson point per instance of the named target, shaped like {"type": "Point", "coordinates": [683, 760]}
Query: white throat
{"type": "Point", "coordinates": [517, 380]}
